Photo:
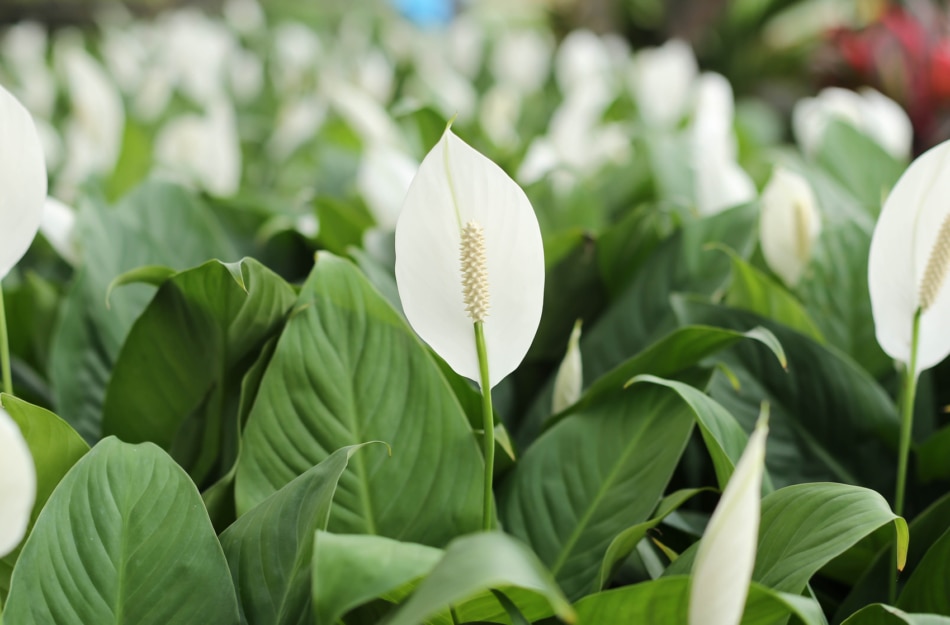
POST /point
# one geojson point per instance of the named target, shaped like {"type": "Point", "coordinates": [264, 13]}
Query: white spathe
{"type": "Point", "coordinates": [720, 181]}
{"type": "Point", "coordinates": [724, 561]}
{"type": "Point", "coordinates": [383, 179]}
{"type": "Point", "coordinates": [59, 229]}
{"type": "Point", "coordinates": [661, 80]}
{"type": "Point", "coordinates": [867, 110]}
{"type": "Point", "coordinates": [17, 484]}
{"type": "Point", "coordinates": [789, 224]}
{"type": "Point", "coordinates": [913, 227]}
{"type": "Point", "coordinates": [22, 181]}
{"type": "Point", "coordinates": [454, 185]}
{"type": "Point", "coordinates": [569, 381]}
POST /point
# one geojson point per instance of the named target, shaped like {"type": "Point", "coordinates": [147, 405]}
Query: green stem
{"type": "Point", "coordinates": [908, 395]}
{"type": "Point", "coordinates": [5, 350]}
{"type": "Point", "coordinates": [488, 423]}
{"type": "Point", "coordinates": [907, 418]}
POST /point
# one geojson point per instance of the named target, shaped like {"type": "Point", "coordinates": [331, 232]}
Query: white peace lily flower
{"type": "Point", "coordinates": [362, 113]}
{"type": "Point", "coordinates": [460, 204]}
{"type": "Point", "coordinates": [22, 182]}
{"type": "Point", "coordinates": [869, 111]}
{"type": "Point", "coordinates": [297, 51]}
{"type": "Point", "coordinates": [521, 59]}
{"type": "Point", "coordinates": [196, 49]}
{"type": "Point", "coordinates": [661, 80]}
{"type": "Point", "coordinates": [24, 52]}
{"type": "Point", "coordinates": [569, 381]}
{"type": "Point", "coordinates": [498, 114]}
{"type": "Point", "coordinates": [245, 75]}
{"type": "Point", "coordinates": [789, 224]}
{"type": "Point", "coordinates": [59, 229]}
{"type": "Point", "coordinates": [582, 60]}
{"type": "Point", "coordinates": [17, 484]}
{"type": "Point", "coordinates": [726, 556]}
{"type": "Point", "coordinates": [205, 150]}
{"type": "Point", "coordinates": [94, 132]}
{"type": "Point", "coordinates": [126, 55]}
{"type": "Point", "coordinates": [909, 260]}
{"type": "Point", "coordinates": [438, 82]}
{"type": "Point", "coordinates": [244, 16]}
{"type": "Point", "coordinates": [466, 45]}
{"type": "Point", "coordinates": [383, 180]}
{"type": "Point", "coordinates": [376, 75]}
{"type": "Point", "coordinates": [297, 122]}
{"type": "Point", "coordinates": [720, 181]}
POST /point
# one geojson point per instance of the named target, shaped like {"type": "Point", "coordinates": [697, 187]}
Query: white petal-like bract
{"type": "Point", "coordinates": [455, 185]}
{"type": "Point", "coordinates": [912, 233]}
{"type": "Point", "coordinates": [17, 484]}
{"type": "Point", "coordinates": [569, 381]}
{"type": "Point", "coordinates": [789, 224]}
{"type": "Point", "coordinates": [22, 181]}
{"type": "Point", "coordinates": [726, 556]}
{"type": "Point", "coordinates": [661, 80]}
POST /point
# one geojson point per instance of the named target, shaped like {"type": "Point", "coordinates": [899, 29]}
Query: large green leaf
{"type": "Point", "coordinates": [55, 448]}
{"type": "Point", "coordinates": [185, 357]}
{"type": "Point", "coordinates": [880, 614]}
{"type": "Point", "coordinates": [123, 539]}
{"type": "Point", "coordinates": [591, 476]}
{"type": "Point", "coordinates": [347, 369]}
{"type": "Point", "coordinates": [829, 419]}
{"type": "Point", "coordinates": [805, 526]}
{"type": "Point", "coordinates": [269, 549]}
{"type": "Point", "coordinates": [374, 566]}
{"type": "Point", "coordinates": [157, 224]}
{"type": "Point", "coordinates": [665, 601]}
{"type": "Point", "coordinates": [473, 565]}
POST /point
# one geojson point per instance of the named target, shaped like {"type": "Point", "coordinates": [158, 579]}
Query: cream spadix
{"type": "Point", "coordinates": [468, 248]}
{"type": "Point", "coordinates": [908, 262]}
{"type": "Point", "coordinates": [726, 556]}
{"type": "Point", "coordinates": [22, 181]}
{"type": "Point", "coordinates": [17, 484]}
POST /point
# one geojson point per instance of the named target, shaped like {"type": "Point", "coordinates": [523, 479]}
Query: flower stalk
{"type": "Point", "coordinates": [908, 393]}
{"type": "Point", "coordinates": [5, 350]}
{"type": "Point", "coordinates": [488, 423]}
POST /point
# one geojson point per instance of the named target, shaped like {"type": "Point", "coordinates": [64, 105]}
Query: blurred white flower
{"type": "Point", "coordinates": [154, 93]}
{"type": "Point", "coordinates": [569, 381]}
{"type": "Point", "coordinates": [94, 131]}
{"type": "Point", "coordinates": [869, 111]}
{"type": "Point", "coordinates": [435, 81]}
{"type": "Point", "coordinates": [582, 62]}
{"type": "Point", "coordinates": [22, 184]}
{"type": "Point", "coordinates": [662, 81]}
{"type": "Point", "coordinates": [521, 59]}
{"type": "Point", "coordinates": [789, 224]}
{"type": "Point", "coordinates": [202, 149]}
{"type": "Point", "coordinates": [500, 282]}
{"type": "Point", "coordinates": [125, 54]}
{"type": "Point", "coordinates": [361, 112]}
{"type": "Point", "coordinates": [24, 53]}
{"type": "Point", "coordinates": [909, 261]}
{"type": "Point", "coordinates": [297, 52]}
{"type": "Point", "coordinates": [17, 485]}
{"type": "Point", "coordinates": [245, 75]}
{"type": "Point", "coordinates": [720, 181]}
{"type": "Point", "coordinates": [376, 75]}
{"type": "Point", "coordinates": [298, 120]}
{"type": "Point", "coordinates": [499, 113]}
{"type": "Point", "coordinates": [466, 45]}
{"type": "Point", "coordinates": [59, 229]}
{"type": "Point", "coordinates": [723, 567]}
{"type": "Point", "coordinates": [383, 178]}
{"type": "Point", "coordinates": [196, 49]}
{"type": "Point", "coordinates": [244, 16]}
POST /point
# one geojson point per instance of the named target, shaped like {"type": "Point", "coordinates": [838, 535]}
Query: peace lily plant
{"type": "Point", "coordinates": [22, 194]}
{"type": "Point", "coordinates": [470, 270]}
{"type": "Point", "coordinates": [908, 266]}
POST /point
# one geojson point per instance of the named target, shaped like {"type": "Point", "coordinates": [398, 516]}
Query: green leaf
{"type": "Point", "coordinates": [805, 526]}
{"type": "Point", "coordinates": [154, 275]}
{"type": "Point", "coordinates": [123, 539]}
{"type": "Point", "coordinates": [753, 290]}
{"type": "Point", "coordinates": [187, 354]}
{"type": "Point", "coordinates": [859, 163]}
{"type": "Point", "coordinates": [157, 224]}
{"type": "Point", "coordinates": [928, 588]}
{"type": "Point", "coordinates": [374, 566]}
{"type": "Point", "coordinates": [593, 475]}
{"type": "Point", "coordinates": [344, 372]}
{"type": "Point", "coordinates": [666, 600]}
{"type": "Point", "coordinates": [626, 245]}
{"type": "Point", "coordinates": [829, 419]}
{"type": "Point", "coordinates": [626, 541]}
{"type": "Point", "coordinates": [880, 614]}
{"type": "Point", "coordinates": [724, 437]}
{"type": "Point", "coordinates": [270, 548]}
{"type": "Point", "coordinates": [55, 448]}
{"type": "Point", "coordinates": [341, 223]}
{"type": "Point", "coordinates": [476, 564]}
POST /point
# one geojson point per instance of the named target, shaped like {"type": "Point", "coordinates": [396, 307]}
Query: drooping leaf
{"type": "Point", "coordinates": [269, 549]}
{"type": "Point", "coordinates": [123, 539]}
{"type": "Point", "coordinates": [880, 614]}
